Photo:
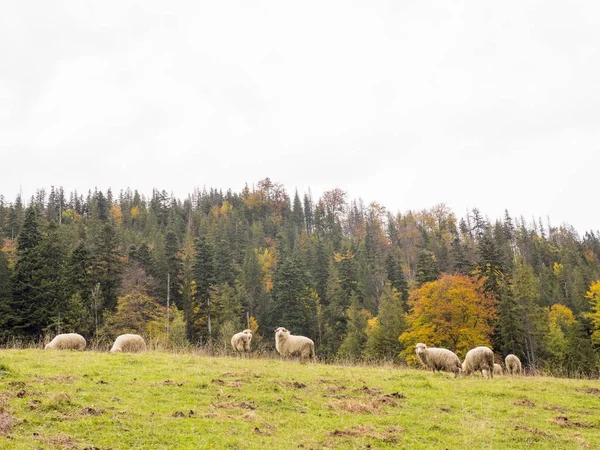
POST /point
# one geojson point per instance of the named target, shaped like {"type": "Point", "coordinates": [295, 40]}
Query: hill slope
{"type": "Point", "coordinates": [156, 400]}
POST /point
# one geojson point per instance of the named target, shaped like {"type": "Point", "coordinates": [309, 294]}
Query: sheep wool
{"type": "Point", "coordinates": [129, 343]}
{"type": "Point", "coordinates": [289, 345]}
{"type": "Point", "coordinates": [67, 341]}
{"type": "Point", "coordinates": [479, 358]}
{"type": "Point", "coordinates": [513, 365]}
{"type": "Point", "coordinates": [241, 341]}
{"type": "Point", "coordinates": [498, 369]}
{"type": "Point", "coordinates": [438, 359]}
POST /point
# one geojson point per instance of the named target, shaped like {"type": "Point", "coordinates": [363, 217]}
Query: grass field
{"type": "Point", "coordinates": [91, 400]}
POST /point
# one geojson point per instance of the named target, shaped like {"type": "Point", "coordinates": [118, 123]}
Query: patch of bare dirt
{"type": "Point", "coordinates": [171, 383]}
{"type": "Point", "coordinates": [395, 395]}
{"type": "Point", "coordinates": [235, 384]}
{"type": "Point", "coordinates": [565, 422]}
{"type": "Point", "coordinates": [235, 374]}
{"type": "Point", "coordinates": [355, 406]}
{"type": "Point", "coordinates": [555, 408]}
{"type": "Point", "coordinates": [257, 430]}
{"type": "Point", "coordinates": [525, 402]}
{"type": "Point", "coordinates": [591, 391]}
{"type": "Point", "coordinates": [292, 384]}
{"type": "Point", "coordinates": [60, 441]}
{"type": "Point", "coordinates": [89, 411]}
{"type": "Point", "coordinates": [6, 423]}
{"type": "Point", "coordinates": [232, 405]}
{"type": "Point", "coordinates": [33, 404]}
{"type": "Point", "coordinates": [17, 384]}
{"type": "Point", "coordinates": [532, 430]}
{"type": "Point", "coordinates": [392, 434]}
{"type": "Point", "coordinates": [368, 390]}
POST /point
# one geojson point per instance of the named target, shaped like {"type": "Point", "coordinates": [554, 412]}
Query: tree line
{"type": "Point", "coordinates": [363, 282]}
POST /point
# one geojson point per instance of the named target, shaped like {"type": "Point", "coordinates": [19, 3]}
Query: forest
{"type": "Point", "coordinates": [364, 283]}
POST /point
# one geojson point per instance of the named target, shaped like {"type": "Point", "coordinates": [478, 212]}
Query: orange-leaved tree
{"type": "Point", "coordinates": [451, 312]}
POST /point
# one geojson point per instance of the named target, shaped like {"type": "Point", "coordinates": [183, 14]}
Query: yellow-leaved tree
{"type": "Point", "coordinates": [451, 312]}
{"type": "Point", "coordinates": [594, 297]}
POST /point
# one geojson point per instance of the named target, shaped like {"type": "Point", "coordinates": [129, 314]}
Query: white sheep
{"type": "Point", "coordinates": [289, 345]}
{"type": "Point", "coordinates": [241, 341]}
{"type": "Point", "coordinates": [513, 365]}
{"type": "Point", "coordinates": [129, 343]}
{"type": "Point", "coordinates": [498, 369]}
{"type": "Point", "coordinates": [479, 358]}
{"type": "Point", "coordinates": [67, 341]}
{"type": "Point", "coordinates": [438, 359]}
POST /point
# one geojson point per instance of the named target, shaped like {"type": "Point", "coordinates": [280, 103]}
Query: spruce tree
{"type": "Point", "coordinates": [28, 295]}
{"type": "Point", "coordinates": [382, 342]}
{"type": "Point", "coordinates": [427, 268]}
{"type": "Point", "coordinates": [107, 262]}
{"type": "Point", "coordinates": [204, 276]}
{"type": "Point", "coordinates": [396, 277]}
{"type": "Point", "coordinates": [356, 338]}
{"type": "Point", "coordinates": [5, 294]}
{"type": "Point", "coordinates": [293, 302]}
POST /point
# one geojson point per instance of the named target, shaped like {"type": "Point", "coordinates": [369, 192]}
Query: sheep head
{"type": "Point", "coordinates": [281, 332]}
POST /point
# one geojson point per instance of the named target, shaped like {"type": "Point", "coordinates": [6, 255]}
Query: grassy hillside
{"type": "Point", "coordinates": [69, 400]}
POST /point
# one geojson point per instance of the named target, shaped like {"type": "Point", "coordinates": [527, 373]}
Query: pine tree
{"type": "Point", "coordinates": [27, 292]}
{"type": "Point", "coordinates": [293, 302]}
{"type": "Point", "coordinates": [57, 291]}
{"type": "Point", "coordinates": [5, 294]}
{"type": "Point", "coordinates": [251, 278]}
{"type": "Point", "coordinates": [427, 268]}
{"type": "Point", "coordinates": [298, 213]}
{"type": "Point", "coordinates": [204, 276]}
{"type": "Point", "coordinates": [106, 262]}
{"type": "Point", "coordinates": [397, 279]}
{"type": "Point", "coordinates": [356, 339]}
{"type": "Point", "coordinates": [382, 342]}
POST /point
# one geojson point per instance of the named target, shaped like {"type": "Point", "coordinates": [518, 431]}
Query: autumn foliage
{"type": "Point", "coordinates": [452, 313]}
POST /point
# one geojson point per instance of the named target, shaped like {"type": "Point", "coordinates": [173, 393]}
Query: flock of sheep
{"type": "Point", "coordinates": [288, 345]}
{"type": "Point", "coordinates": [128, 343]}
{"type": "Point", "coordinates": [476, 359]}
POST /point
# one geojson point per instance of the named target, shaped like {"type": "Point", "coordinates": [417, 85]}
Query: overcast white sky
{"type": "Point", "coordinates": [481, 104]}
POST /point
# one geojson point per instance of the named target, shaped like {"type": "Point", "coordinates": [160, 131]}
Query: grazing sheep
{"type": "Point", "coordinates": [129, 343]}
{"type": "Point", "coordinates": [479, 358]}
{"type": "Point", "coordinates": [498, 369]}
{"type": "Point", "coordinates": [513, 365]}
{"type": "Point", "coordinates": [67, 341]}
{"type": "Point", "coordinates": [289, 345]}
{"type": "Point", "coordinates": [241, 341]}
{"type": "Point", "coordinates": [438, 359]}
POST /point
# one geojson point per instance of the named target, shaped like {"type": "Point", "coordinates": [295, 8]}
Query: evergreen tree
{"type": "Point", "coordinates": [5, 294]}
{"type": "Point", "coordinates": [427, 268]}
{"type": "Point", "coordinates": [293, 301]}
{"type": "Point", "coordinates": [106, 262]}
{"type": "Point", "coordinates": [251, 278]}
{"type": "Point", "coordinates": [356, 338]}
{"type": "Point", "coordinates": [298, 213]}
{"type": "Point", "coordinates": [382, 342]}
{"type": "Point", "coordinates": [204, 276]}
{"type": "Point", "coordinates": [27, 290]}
{"type": "Point", "coordinates": [397, 279]}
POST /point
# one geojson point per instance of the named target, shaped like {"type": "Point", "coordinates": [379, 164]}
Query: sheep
{"type": "Point", "coordinates": [479, 358]}
{"type": "Point", "coordinates": [438, 359]}
{"type": "Point", "coordinates": [498, 369]}
{"type": "Point", "coordinates": [241, 341]}
{"type": "Point", "coordinates": [67, 341]}
{"type": "Point", "coordinates": [129, 343]}
{"type": "Point", "coordinates": [289, 345]}
{"type": "Point", "coordinates": [513, 365]}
